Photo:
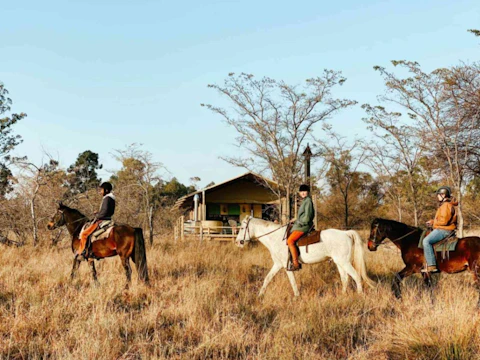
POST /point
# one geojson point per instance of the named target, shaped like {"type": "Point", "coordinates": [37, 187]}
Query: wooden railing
{"type": "Point", "coordinates": [187, 231]}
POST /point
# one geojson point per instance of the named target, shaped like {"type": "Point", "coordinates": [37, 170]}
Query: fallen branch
{"type": "Point", "coordinates": [8, 242]}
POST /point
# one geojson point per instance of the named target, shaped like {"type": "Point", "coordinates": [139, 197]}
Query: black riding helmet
{"type": "Point", "coordinates": [445, 190]}
{"type": "Point", "coordinates": [304, 187]}
{"type": "Point", "coordinates": [106, 186]}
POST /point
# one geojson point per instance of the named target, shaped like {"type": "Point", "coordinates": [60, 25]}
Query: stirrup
{"type": "Point", "coordinates": [432, 269]}
{"type": "Point", "coordinates": [292, 267]}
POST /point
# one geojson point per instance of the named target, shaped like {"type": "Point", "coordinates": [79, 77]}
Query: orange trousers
{"type": "Point", "coordinates": [85, 234]}
{"type": "Point", "coordinates": [292, 239]}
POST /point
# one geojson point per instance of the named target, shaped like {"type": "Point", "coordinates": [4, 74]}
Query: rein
{"type": "Point", "coordinates": [258, 237]}
{"type": "Point", "coordinates": [73, 222]}
{"type": "Point", "coordinates": [398, 239]}
{"type": "Point", "coordinates": [404, 236]}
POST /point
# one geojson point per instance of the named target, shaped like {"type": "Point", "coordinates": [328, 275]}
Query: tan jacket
{"type": "Point", "coordinates": [446, 217]}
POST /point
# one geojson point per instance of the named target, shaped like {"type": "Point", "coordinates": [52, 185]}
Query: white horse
{"type": "Point", "coordinates": [335, 244]}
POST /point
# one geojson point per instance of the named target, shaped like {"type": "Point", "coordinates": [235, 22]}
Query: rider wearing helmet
{"type": "Point", "coordinates": [105, 213]}
{"type": "Point", "coordinates": [444, 223]}
{"type": "Point", "coordinates": [302, 224]}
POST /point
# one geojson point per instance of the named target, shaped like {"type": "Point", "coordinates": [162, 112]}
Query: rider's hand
{"type": "Point", "coordinates": [429, 223]}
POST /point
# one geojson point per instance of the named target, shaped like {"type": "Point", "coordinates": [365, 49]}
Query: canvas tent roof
{"type": "Point", "coordinates": [251, 188]}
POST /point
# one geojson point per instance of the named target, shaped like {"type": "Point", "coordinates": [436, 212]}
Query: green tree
{"type": "Point", "coordinates": [82, 175]}
{"type": "Point", "coordinates": [475, 32]}
{"type": "Point", "coordinates": [173, 189]}
{"type": "Point", "coordinates": [8, 140]}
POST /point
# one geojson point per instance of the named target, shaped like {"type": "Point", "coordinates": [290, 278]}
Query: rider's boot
{"type": "Point", "coordinates": [295, 266]}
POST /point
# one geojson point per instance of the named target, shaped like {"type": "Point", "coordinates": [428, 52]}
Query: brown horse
{"type": "Point", "coordinates": [124, 241]}
{"type": "Point", "coordinates": [406, 238]}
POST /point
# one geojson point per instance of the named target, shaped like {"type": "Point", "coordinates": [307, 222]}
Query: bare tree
{"type": "Point", "coordinates": [343, 160]}
{"type": "Point", "coordinates": [140, 172]}
{"type": "Point", "coordinates": [387, 174]}
{"type": "Point", "coordinates": [436, 103]}
{"type": "Point", "coordinates": [273, 120]}
{"type": "Point", "coordinates": [34, 177]}
{"type": "Point", "coordinates": [399, 149]}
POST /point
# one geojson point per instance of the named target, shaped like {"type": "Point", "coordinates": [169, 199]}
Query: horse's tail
{"type": "Point", "coordinates": [140, 256]}
{"type": "Point", "coordinates": [359, 261]}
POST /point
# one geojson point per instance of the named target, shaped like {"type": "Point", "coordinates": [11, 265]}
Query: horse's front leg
{"type": "Point", "coordinates": [476, 278]}
{"type": "Point", "coordinates": [397, 280]}
{"type": "Point", "coordinates": [291, 278]}
{"type": "Point", "coordinates": [128, 271]}
{"type": "Point", "coordinates": [91, 262]}
{"type": "Point", "coordinates": [76, 265]}
{"type": "Point", "coordinates": [273, 271]}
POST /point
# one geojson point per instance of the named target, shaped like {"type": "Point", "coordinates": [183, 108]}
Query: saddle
{"type": "Point", "coordinates": [309, 238]}
{"type": "Point", "coordinates": [444, 246]}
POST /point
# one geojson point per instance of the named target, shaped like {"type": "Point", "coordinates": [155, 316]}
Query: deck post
{"type": "Point", "coordinates": [182, 227]}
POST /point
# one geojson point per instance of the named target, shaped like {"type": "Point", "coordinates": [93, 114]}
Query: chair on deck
{"type": "Point", "coordinates": [233, 224]}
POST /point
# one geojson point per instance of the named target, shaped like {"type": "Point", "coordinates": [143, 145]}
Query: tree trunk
{"type": "Point", "coordinates": [459, 214]}
{"type": "Point", "coordinates": [287, 205]}
{"type": "Point", "coordinates": [414, 197]}
{"type": "Point", "coordinates": [34, 216]}
{"type": "Point", "coordinates": [399, 209]}
{"type": "Point", "coordinates": [345, 199]}
{"type": "Point", "coordinates": [150, 225]}
{"type": "Point", "coordinates": [415, 211]}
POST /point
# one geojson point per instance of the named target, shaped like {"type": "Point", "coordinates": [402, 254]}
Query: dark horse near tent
{"type": "Point", "coordinates": [124, 241]}
{"type": "Point", "coordinates": [406, 238]}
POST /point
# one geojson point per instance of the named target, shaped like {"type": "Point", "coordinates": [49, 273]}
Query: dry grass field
{"type": "Point", "coordinates": [203, 304]}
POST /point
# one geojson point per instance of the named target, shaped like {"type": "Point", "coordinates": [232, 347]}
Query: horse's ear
{"type": "Point", "coordinates": [60, 204]}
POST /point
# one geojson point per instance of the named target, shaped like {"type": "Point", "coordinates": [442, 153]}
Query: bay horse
{"type": "Point", "coordinates": [406, 238]}
{"type": "Point", "coordinates": [335, 244]}
{"type": "Point", "coordinates": [124, 241]}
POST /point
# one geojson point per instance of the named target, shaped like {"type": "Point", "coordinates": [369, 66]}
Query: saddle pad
{"type": "Point", "coordinates": [310, 238]}
{"type": "Point", "coordinates": [448, 244]}
{"type": "Point", "coordinates": [102, 233]}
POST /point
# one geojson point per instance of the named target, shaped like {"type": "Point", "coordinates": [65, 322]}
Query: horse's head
{"type": "Point", "coordinates": [243, 236]}
{"type": "Point", "coordinates": [377, 234]}
{"type": "Point", "coordinates": [58, 219]}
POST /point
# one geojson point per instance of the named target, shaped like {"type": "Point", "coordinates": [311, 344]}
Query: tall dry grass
{"type": "Point", "coordinates": [202, 304]}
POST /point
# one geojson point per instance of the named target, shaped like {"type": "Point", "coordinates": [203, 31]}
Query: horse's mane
{"type": "Point", "coordinates": [266, 222]}
{"type": "Point", "coordinates": [394, 224]}
{"type": "Point", "coordinates": [74, 211]}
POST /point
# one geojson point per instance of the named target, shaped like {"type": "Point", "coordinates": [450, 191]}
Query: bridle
{"type": "Point", "coordinates": [393, 241]}
{"type": "Point", "coordinates": [62, 219]}
{"type": "Point", "coordinates": [247, 229]}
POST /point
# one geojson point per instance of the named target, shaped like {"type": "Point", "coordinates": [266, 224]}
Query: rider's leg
{"type": "Point", "coordinates": [432, 238]}
{"type": "Point", "coordinates": [294, 236]}
{"type": "Point", "coordinates": [84, 236]}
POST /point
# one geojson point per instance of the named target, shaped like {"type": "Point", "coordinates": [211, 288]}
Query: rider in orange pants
{"type": "Point", "coordinates": [292, 239]}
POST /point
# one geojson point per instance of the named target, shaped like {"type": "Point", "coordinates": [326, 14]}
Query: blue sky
{"type": "Point", "coordinates": [100, 75]}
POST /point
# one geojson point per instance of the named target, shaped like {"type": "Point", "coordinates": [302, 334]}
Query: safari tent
{"type": "Point", "coordinates": [216, 211]}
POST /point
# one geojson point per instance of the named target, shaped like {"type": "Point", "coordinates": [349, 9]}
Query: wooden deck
{"type": "Point", "coordinates": [186, 231]}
